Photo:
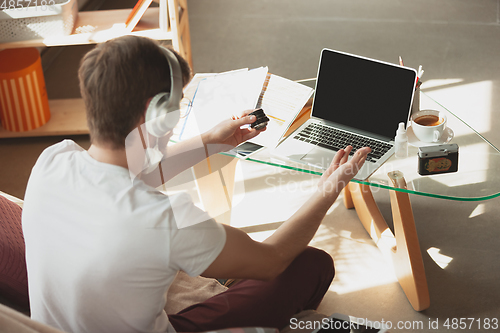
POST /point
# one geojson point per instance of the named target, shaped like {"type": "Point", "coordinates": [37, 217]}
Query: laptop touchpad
{"type": "Point", "coordinates": [319, 156]}
{"type": "Point", "coordinates": [293, 149]}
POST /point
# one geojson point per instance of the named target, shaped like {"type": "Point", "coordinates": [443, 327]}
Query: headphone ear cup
{"type": "Point", "coordinates": [159, 119]}
{"type": "Point", "coordinates": [151, 111]}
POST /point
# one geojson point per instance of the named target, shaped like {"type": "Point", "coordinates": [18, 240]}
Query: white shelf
{"type": "Point", "coordinates": [99, 26]}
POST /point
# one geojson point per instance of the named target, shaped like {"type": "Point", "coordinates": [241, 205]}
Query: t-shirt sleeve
{"type": "Point", "coordinates": [53, 151]}
{"type": "Point", "coordinates": [196, 240]}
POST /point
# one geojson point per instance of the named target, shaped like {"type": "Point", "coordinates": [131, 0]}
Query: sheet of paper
{"type": "Point", "coordinates": [219, 97]}
{"type": "Point", "coordinates": [281, 99]}
{"type": "Point", "coordinates": [186, 104]}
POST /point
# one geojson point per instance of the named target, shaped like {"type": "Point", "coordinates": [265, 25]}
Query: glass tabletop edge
{"type": "Point", "coordinates": [432, 195]}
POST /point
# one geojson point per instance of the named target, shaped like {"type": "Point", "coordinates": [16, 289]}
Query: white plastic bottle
{"type": "Point", "coordinates": [401, 142]}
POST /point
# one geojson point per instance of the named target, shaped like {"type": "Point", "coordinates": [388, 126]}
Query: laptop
{"type": "Point", "coordinates": [359, 102]}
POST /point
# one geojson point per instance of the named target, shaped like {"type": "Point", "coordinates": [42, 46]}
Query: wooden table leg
{"type": "Point", "coordinates": [402, 248]}
{"type": "Point", "coordinates": [215, 182]}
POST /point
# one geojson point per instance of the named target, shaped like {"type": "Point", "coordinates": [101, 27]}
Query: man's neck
{"type": "Point", "coordinates": [105, 154]}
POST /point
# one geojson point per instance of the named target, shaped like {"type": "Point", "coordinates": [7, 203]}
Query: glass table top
{"type": "Point", "coordinates": [477, 178]}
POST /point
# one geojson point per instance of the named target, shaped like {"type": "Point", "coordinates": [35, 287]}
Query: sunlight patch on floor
{"type": "Point", "coordinates": [479, 210]}
{"type": "Point", "coordinates": [440, 259]}
{"type": "Point", "coordinates": [474, 105]}
{"type": "Point", "coordinates": [359, 264]}
{"type": "Point", "coordinates": [473, 163]}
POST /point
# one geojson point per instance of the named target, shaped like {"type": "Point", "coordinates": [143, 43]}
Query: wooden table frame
{"type": "Point", "coordinates": [400, 248]}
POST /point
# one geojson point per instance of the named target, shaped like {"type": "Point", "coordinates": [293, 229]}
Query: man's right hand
{"type": "Point", "coordinates": [341, 171]}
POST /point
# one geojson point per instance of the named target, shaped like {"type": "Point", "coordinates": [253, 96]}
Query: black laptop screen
{"type": "Point", "coordinates": [363, 94]}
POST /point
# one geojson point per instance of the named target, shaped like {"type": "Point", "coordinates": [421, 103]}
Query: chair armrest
{"type": "Point", "coordinates": [17, 201]}
{"type": "Point", "coordinates": [14, 321]}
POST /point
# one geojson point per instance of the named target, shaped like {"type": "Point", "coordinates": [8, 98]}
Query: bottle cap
{"type": "Point", "coordinates": [401, 130]}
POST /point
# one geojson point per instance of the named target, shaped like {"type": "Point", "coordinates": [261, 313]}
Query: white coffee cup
{"type": "Point", "coordinates": [428, 125]}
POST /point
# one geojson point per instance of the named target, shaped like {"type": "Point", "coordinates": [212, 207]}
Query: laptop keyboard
{"type": "Point", "coordinates": [335, 139]}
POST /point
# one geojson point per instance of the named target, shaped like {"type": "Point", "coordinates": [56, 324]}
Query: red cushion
{"type": "Point", "coordinates": [13, 275]}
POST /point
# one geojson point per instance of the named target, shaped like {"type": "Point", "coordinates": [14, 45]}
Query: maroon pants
{"type": "Point", "coordinates": [252, 303]}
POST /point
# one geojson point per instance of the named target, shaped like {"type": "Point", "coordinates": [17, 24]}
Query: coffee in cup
{"type": "Point", "coordinates": [428, 125]}
{"type": "Point", "coordinates": [428, 120]}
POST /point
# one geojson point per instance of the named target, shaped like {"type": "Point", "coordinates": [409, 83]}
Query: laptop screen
{"type": "Point", "coordinates": [363, 94]}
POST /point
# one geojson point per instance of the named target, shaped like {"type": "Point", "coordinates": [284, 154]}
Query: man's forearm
{"type": "Point", "coordinates": [176, 158]}
{"type": "Point", "coordinates": [185, 154]}
{"type": "Point", "coordinates": [294, 235]}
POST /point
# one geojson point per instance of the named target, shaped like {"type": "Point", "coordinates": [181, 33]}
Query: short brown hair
{"type": "Point", "coordinates": [116, 80]}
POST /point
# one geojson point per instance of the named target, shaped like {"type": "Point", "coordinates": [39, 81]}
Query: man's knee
{"type": "Point", "coordinates": [318, 260]}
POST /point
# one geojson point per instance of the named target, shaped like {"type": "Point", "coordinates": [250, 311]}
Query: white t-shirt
{"type": "Point", "coordinates": [102, 251]}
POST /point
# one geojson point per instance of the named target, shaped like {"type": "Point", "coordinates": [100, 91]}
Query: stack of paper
{"type": "Point", "coordinates": [217, 97]}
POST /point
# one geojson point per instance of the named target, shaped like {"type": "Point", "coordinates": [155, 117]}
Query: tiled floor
{"type": "Point", "coordinates": [456, 41]}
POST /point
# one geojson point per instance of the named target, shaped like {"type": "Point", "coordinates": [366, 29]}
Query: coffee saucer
{"type": "Point", "coordinates": [445, 138]}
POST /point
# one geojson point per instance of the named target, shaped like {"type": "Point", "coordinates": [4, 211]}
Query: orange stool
{"type": "Point", "coordinates": [24, 104]}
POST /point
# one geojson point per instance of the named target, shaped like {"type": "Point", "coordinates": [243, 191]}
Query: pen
{"type": "Point", "coordinates": [401, 61]}
{"type": "Point", "coordinates": [420, 73]}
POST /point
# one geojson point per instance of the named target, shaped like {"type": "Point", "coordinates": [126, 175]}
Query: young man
{"type": "Point", "coordinates": [103, 247]}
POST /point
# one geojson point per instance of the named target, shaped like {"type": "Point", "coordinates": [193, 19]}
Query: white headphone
{"type": "Point", "coordinates": [163, 112]}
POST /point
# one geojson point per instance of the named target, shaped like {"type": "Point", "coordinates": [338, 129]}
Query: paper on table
{"type": "Point", "coordinates": [281, 99]}
{"type": "Point", "coordinates": [181, 131]}
{"type": "Point", "coordinates": [186, 103]}
{"type": "Point", "coordinates": [219, 97]}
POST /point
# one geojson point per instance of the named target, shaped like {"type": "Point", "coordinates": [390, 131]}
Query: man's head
{"type": "Point", "coordinates": [117, 79]}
